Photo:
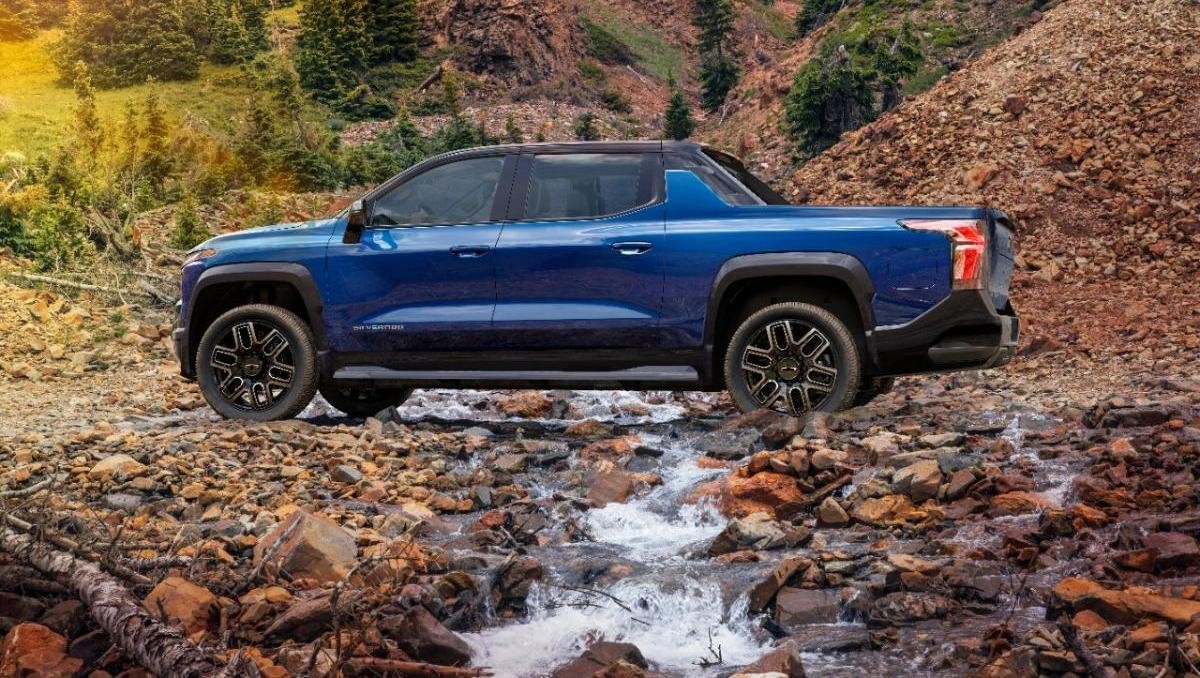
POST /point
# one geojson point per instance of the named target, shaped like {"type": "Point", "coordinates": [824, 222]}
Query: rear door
{"type": "Point", "coordinates": [423, 275]}
{"type": "Point", "coordinates": [580, 262]}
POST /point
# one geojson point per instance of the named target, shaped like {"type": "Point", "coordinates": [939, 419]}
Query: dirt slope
{"type": "Point", "coordinates": [1086, 128]}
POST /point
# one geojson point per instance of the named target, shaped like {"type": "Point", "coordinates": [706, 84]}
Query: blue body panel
{"type": "Point", "coordinates": [544, 285]}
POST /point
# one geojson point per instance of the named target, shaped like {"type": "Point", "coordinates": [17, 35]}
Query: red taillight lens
{"type": "Point", "coordinates": [968, 243]}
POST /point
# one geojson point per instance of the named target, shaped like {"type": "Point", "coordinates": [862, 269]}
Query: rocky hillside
{"type": "Point", "coordinates": [1086, 128]}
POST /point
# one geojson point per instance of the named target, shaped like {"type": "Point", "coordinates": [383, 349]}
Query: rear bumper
{"type": "Point", "coordinates": [964, 331]}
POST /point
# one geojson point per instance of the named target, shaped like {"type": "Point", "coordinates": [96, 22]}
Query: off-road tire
{"type": "Point", "coordinates": [363, 401]}
{"type": "Point", "coordinates": [792, 369]}
{"type": "Point", "coordinates": [873, 389]}
{"type": "Point", "coordinates": [299, 349]}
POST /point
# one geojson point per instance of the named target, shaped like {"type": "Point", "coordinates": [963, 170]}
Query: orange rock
{"type": "Point", "coordinates": [764, 491]}
{"type": "Point", "coordinates": [1153, 632]}
{"type": "Point", "coordinates": [34, 651]}
{"type": "Point", "coordinates": [1124, 607]}
{"type": "Point", "coordinates": [893, 508]}
{"type": "Point", "coordinates": [1018, 502]}
{"type": "Point", "coordinates": [1089, 621]}
{"type": "Point", "coordinates": [1086, 516]}
{"type": "Point", "coordinates": [614, 448]}
{"type": "Point", "coordinates": [529, 404]}
{"type": "Point", "coordinates": [192, 607]}
{"type": "Point", "coordinates": [710, 462]}
{"type": "Point", "coordinates": [1072, 589]}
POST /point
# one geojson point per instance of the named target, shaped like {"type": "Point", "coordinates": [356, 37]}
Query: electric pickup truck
{"type": "Point", "coordinates": [593, 265]}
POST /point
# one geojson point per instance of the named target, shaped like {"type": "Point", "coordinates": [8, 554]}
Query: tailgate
{"type": "Point", "coordinates": [1000, 261]}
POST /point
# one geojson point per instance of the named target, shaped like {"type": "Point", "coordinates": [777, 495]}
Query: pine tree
{"type": "Point", "coordinates": [719, 70]}
{"type": "Point", "coordinates": [124, 43]}
{"type": "Point", "coordinates": [677, 121]}
{"type": "Point", "coordinates": [89, 133]}
{"type": "Point", "coordinates": [188, 230]}
{"type": "Point", "coordinates": [156, 165]}
{"type": "Point", "coordinates": [815, 14]}
{"type": "Point", "coordinates": [395, 26]}
{"type": "Point", "coordinates": [829, 96]}
{"type": "Point", "coordinates": [585, 127]}
{"type": "Point", "coordinates": [512, 132]}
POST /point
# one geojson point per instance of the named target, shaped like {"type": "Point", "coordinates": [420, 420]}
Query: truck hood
{"type": "Point", "coordinates": [313, 227]}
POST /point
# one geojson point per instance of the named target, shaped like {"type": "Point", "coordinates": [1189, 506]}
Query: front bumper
{"type": "Point", "coordinates": [179, 340]}
{"type": "Point", "coordinates": [964, 331]}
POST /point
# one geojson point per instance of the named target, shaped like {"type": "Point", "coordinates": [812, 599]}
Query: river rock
{"type": "Point", "coordinates": [796, 607]}
{"type": "Point", "coordinates": [960, 483]}
{"type": "Point", "coordinates": [831, 514]}
{"type": "Point", "coordinates": [192, 607]}
{"type": "Point", "coordinates": [880, 511]}
{"type": "Point", "coordinates": [764, 591]}
{"type": "Point", "coordinates": [1018, 502]}
{"type": "Point", "coordinates": [729, 443]}
{"type": "Point", "coordinates": [119, 466]}
{"type": "Point", "coordinates": [34, 651]}
{"type": "Point", "coordinates": [613, 449]}
{"type": "Point", "coordinates": [511, 463]}
{"type": "Point", "coordinates": [611, 486]}
{"type": "Point", "coordinates": [599, 657]}
{"type": "Point", "coordinates": [766, 491]}
{"type": "Point", "coordinates": [920, 481]}
{"type": "Point", "coordinates": [421, 636]}
{"type": "Point", "coordinates": [758, 531]}
{"type": "Point", "coordinates": [784, 661]}
{"type": "Point", "coordinates": [345, 473]}
{"type": "Point", "coordinates": [1172, 549]}
{"type": "Point", "coordinates": [823, 459]}
{"type": "Point", "coordinates": [528, 404]}
{"type": "Point", "coordinates": [590, 428]}
{"type": "Point", "coordinates": [309, 545]}
{"type": "Point", "coordinates": [304, 620]}
{"type": "Point", "coordinates": [1128, 607]}
{"type": "Point", "coordinates": [906, 607]}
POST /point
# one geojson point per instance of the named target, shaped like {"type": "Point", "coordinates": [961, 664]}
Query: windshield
{"type": "Point", "coordinates": [743, 176]}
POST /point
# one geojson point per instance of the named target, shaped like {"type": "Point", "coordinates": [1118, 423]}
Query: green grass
{"type": "Point", "coordinates": [654, 56]}
{"type": "Point", "coordinates": [34, 108]}
{"type": "Point", "coordinates": [775, 22]}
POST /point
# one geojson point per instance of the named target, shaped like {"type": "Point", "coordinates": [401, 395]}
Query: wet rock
{"type": "Point", "coordinates": [527, 404]}
{"type": "Point", "coordinates": [744, 495]}
{"type": "Point", "coordinates": [512, 584]}
{"type": "Point", "coordinates": [590, 428]}
{"type": "Point", "coordinates": [906, 607]}
{"type": "Point", "coordinates": [730, 443]}
{"type": "Point", "coordinates": [824, 459]}
{"type": "Point", "coordinates": [837, 638]}
{"type": "Point", "coordinates": [756, 531]}
{"type": "Point", "coordinates": [960, 483]}
{"type": "Point", "coordinates": [420, 635]}
{"type": "Point", "coordinates": [118, 466]}
{"type": "Point", "coordinates": [831, 514]}
{"type": "Point", "coordinates": [797, 607]}
{"type": "Point", "coordinates": [882, 510]}
{"type": "Point", "coordinates": [599, 657]}
{"type": "Point", "coordinates": [763, 593]}
{"type": "Point", "coordinates": [909, 563]}
{"type": "Point", "coordinates": [1129, 607]}
{"type": "Point", "coordinates": [782, 662]}
{"type": "Point", "coordinates": [308, 545]}
{"type": "Point", "coordinates": [612, 486]}
{"type": "Point", "coordinates": [192, 607]}
{"type": "Point", "coordinates": [34, 651]}
{"type": "Point", "coordinates": [614, 449]}
{"type": "Point", "coordinates": [511, 463]}
{"type": "Point", "coordinates": [1018, 502]}
{"type": "Point", "coordinates": [920, 481]}
{"type": "Point", "coordinates": [1172, 549]}
{"type": "Point", "coordinates": [948, 439]}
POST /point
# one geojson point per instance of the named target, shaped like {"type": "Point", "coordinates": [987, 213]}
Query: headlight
{"type": "Point", "coordinates": [198, 255]}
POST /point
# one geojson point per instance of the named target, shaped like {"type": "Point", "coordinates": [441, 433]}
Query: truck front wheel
{"type": "Point", "coordinates": [257, 362]}
{"type": "Point", "coordinates": [792, 358]}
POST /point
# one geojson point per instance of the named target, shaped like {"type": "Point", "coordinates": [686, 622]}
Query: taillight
{"type": "Point", "coordinates": [968, 243]}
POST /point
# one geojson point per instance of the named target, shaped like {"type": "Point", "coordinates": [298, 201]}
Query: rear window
{"type": "Point", "coordinates": [720, 182]}
{"type": "Point", "coordinates": [583, 185]}
{"type": "Point", "coordinates": [743, 176]}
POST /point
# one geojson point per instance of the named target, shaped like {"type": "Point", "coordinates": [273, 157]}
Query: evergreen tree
{"type": "Point", "coordinates": [829, 96]}
{"type": "Point", "coordinates": [512, 132]}
{"type": "Point", "coordinates": [14, 25]}
{"type": "Point", "coordinates": [395, 26]}
{"type": "Point", "coordinates": [188, 230]}
{"type": "Point", "coordinates": [585, 127]}
{"type": "Point", "coordinates": [156, 165]}
{"type": "Point", "coordinates": [89, 133]}
{"type": "Point", "coordinates": [719, 70]}
{"type": "Point", "coordinates": [677, 121]}
{"type": "Point", "coordinates": [815, 14]}
{"type": "Point", "coordinates": [124, 42]}
{"type": "Point", "coordinates": [896, 56]}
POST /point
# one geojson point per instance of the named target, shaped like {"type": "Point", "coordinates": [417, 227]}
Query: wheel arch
{"type": "Point", "coordinates": [835, 281]}
{"type": "Point", "coordinates": [225, 287]}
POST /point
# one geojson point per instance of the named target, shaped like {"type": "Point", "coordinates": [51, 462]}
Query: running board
{"type": "Point", "coordinates": [651, 374]}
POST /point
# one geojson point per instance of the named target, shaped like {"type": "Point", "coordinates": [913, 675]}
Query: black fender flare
{"type": "Point", "coordinates": [842, 267]}
{"type": "Point", "coordinates": [296, 275]}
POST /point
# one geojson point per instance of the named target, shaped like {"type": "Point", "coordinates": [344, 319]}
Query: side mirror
{"type": "Point", "coordinates": [356, 221]}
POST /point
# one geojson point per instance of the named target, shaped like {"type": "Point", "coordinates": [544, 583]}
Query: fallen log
{"type": "Point", "coordinates": [406, 669]}
{"type": "Point", "coordinates": [156, 646]}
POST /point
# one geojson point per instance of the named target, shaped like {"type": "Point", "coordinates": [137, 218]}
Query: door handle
{"type": "Point", "coordinates": [632, 248]}
{"type": "Point", "coordinates": [469, 251]}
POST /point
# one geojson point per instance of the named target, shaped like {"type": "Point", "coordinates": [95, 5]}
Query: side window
{"type": "Point", "coordinates": [584, 185]}
{"type": "Point", "coordinates": [460, 192]}
{"type": "Point", "coordinates": [721, 185]}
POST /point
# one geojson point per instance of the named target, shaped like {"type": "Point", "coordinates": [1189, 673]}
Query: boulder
{"type": "Point", "coordinates": [1172, 549]}
{"type": "Point", "coordinates": [744, 495]}
{"type": "Point", "coordinates": [730, 443]}
{"type": "Point", "coordinates": [116, 466]}
{"type": "Point", "coordinates": [528, 404]}
{"type": "Point", "coordinates": [193, 608]}
{"type": "Point", "coordinates": [612, 449]}
{"type": "Point", "coordinates": [796, 607]}
{"type": "Point", "coordinates": [880, 511]}
{"type": "Point", "coordinates": [308, 545]}
{"type": "Point", "coordinates": [907, 607]}
{"type": "Point", "coordinates": [823, 459]}
{"type": "Point", "coordinates": [784, 661]}
{"type": "Point", "coordinates": [611, 486]}
{"type": "Point", "coordinates": [599, 658]}
{"type": "Point", "coordinates": [421, 636]}
{"type": "Point", "coordinates": [756, 531]}
{"type": "Point", "coordinates": [1018, 502]}
{"type": "Point", "coordinates": [920, 480]}
{"type": "Point", "coordinates": [34, 651]}
{"type": "Point", "coordinates": [1129, 608]}
{"type": "Point", "coordinates": [764, 591]}
{"type": "Point", "coordinates": [831, 514]}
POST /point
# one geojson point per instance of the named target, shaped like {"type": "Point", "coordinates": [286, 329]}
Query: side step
{"type": "Point", "coordinates": [650, 374]}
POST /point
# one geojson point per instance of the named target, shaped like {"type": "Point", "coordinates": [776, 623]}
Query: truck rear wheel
{"type": "Point", "coordinates": [792, 358]}
{"type": "Point", "coordinates": [257, 362]}
{"type": "Point", "coordinates": [363, 401]}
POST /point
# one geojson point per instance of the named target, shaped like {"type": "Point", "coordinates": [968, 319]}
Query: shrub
{"type": "Point", "coordinates": [604, 45]}
{"type": "Point", "coordinates": [585, 127]}
{"type": "Point", "coordinates": [815, 13]}
{"type": "Point", "coordinates": [124, 42]}
{"type": "Point", "coordinates": [677, 121]}
{"type": "Point", "coordinates": [188, 230]}
{"type": "Point", "coordinates": [828, 97]}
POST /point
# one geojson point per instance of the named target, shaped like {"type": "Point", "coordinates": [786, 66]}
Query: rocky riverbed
{"type": "Point", "coordinates": [1038, 521]}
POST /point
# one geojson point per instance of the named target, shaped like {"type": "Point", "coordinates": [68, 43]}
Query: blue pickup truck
{"type": "Point", "coordinates": [639, 265]}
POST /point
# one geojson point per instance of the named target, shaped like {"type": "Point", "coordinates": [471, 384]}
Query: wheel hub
{"type": "Point", "coordinates": [252, 361]}
{"type": "Point", "coordinates": [251, 365]}
{"type": "Point", "coordinates": [790, 366]}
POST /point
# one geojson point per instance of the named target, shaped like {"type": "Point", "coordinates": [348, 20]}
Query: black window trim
{"type": "Point", "coordinates": [651, 190]}
{"type": "Point", "coordinates": [499, 201]}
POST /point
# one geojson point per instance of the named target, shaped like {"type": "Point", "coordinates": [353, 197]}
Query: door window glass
{"type": "Point", "coordinates": [459, 192]}
{"type": "Point", "coordinates": [583, 185]}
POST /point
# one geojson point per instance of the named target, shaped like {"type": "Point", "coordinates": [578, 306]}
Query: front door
{"type": "Point", "coordinates": [580, 263]}
{"type": "Point", "coordinates": [423, 275]}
